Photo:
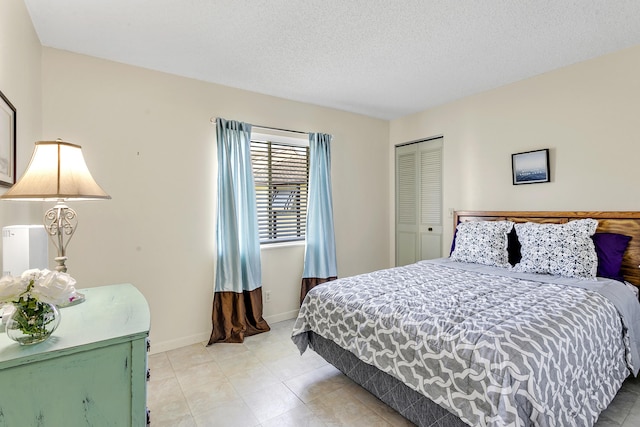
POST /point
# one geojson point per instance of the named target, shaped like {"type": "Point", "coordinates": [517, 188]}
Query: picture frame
{"type": "Point", "coordinates": [7, 142]}
{"type": "Point", "coordinates": [530, 167]}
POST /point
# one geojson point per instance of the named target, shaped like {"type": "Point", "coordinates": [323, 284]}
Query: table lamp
{"type": "Point", "coordinates": [57, 171]}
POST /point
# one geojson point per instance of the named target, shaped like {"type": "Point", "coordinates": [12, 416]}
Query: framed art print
{"type": "Point", "coordinates": [7, 142]}
{"type": "Point", "coordinates": [531, 167]}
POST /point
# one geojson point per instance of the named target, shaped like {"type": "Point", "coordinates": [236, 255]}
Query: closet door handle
{"type": "Point", "coordinates": [430, 229]}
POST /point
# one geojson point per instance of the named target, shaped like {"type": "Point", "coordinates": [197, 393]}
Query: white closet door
{"type": "Point", "coordinates": [418, 201]}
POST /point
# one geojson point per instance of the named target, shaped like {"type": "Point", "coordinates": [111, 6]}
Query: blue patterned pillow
{"type": "Point", "coordinates": [560, 249]}
{"type": "Point", "coordinates": [482, 242]}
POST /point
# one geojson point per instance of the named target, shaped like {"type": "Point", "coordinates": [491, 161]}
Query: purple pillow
{"type": "Point", "coordinates": [610, 248]}
{"type": "Point", "coordinates": [453, 242]}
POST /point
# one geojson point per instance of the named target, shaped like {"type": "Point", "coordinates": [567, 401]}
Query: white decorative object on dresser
{"type": "Point", "coordinates": [91, 371]}
{"type": "Point", "coordinates": [24, 247]}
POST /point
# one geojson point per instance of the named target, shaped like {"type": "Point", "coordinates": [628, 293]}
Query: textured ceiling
{"type": "Point", "coordinates": [384, 59]}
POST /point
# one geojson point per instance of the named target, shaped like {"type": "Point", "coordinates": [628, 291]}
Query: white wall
{"type": "Point", "coordinates": [586, 114]}
{"type": "Point", "coordinates": [20, 83]}
{"type": "Point", "coordinates": [148, 142]}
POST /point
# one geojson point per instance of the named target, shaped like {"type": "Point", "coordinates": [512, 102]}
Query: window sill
{"type": "Point", "coordinates": [282, 245]}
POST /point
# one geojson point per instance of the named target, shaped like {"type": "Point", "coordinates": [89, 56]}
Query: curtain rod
{"type": "Point", "coordinates": [213, 120]}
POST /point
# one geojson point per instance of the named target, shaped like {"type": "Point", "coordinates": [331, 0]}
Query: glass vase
{"type": "Point", "coordinates": [32, 321]}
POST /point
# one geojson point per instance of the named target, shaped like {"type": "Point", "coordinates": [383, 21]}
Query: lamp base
{"type": "Point", "coordinates": [61, 267]}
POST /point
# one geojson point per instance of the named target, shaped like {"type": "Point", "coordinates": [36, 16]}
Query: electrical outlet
{"type": "Point", "coordinates": [267, 296]}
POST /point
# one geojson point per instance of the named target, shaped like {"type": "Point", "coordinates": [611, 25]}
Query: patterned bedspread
{"type": "Point", "coordinates": [494, 350]}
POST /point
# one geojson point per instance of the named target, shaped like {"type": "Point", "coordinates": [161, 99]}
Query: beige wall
{"type": "Point", "coordinates": [20, 83]}
{"type": "Point", "coordinates": [586, 114]}
{"type": "Point", "coordinates": [149, 143]}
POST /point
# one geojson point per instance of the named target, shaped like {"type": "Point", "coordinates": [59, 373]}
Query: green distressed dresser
{"type": "Point", "coordinates": [90, 372]}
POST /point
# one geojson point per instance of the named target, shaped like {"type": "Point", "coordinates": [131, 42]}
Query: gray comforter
{"type": "Point", "coordinates": [492, 346]}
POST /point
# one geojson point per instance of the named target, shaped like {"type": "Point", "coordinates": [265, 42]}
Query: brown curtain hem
{"type": "Point", "coordinates": [309, 283]}
{"type": "Point", "coordinates": [237, 315]}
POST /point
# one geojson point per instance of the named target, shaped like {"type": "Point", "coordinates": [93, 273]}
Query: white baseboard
{"type": "Point", "coordinates": [282, 316]}
{"type": "Point", "coordinates": [202, 338]}
{"type": "Point", "coordinates": [159, 347]}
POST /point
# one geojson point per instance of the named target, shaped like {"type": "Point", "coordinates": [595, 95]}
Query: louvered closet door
{"type": "Point", "coordinates": [418, 201]}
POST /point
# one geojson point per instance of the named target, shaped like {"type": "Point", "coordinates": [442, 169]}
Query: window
{"type": "Point", "coordinates": [281, 174]}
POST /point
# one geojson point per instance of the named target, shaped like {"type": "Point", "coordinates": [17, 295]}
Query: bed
{"type": "Point", "coordinates": [514, 328]}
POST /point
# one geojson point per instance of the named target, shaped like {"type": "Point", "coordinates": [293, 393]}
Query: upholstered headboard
{"type": "Point", "coordinates": [627, 223]}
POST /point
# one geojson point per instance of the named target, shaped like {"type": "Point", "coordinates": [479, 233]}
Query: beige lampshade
{"type": "Point", "coordinates": [56, 171]}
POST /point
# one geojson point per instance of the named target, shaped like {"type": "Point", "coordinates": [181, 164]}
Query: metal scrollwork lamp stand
{"type": "Point", "coordinates": [60, 222]}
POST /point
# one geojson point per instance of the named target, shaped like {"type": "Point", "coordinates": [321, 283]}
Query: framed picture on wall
{"type": "Point", "coordinates": [7, 142]}
{"type": "Point", "coordinates": [530, 167]}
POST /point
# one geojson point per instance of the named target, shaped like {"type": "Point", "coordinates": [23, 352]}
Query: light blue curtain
{"type": "Point", "coordinates": [237, 302]}
{"type": "Point", "coordinates": [320, 249]}
{"type": "Point", "coordinates": [238, 260]}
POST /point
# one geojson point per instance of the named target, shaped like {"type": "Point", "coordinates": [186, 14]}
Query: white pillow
{"type": "Point", "coordinates": [560, 249]}
{"type": "Point", "coordinates": [482, 242]}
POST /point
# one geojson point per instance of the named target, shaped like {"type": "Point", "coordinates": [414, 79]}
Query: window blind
{"type": "Point", "coordinates": [281, 174]}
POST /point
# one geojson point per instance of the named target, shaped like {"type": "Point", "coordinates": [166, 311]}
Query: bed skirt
{"type": "Point", "coordinates": [412, 405]}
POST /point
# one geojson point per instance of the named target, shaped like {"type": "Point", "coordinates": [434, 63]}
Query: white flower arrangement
{"type": "Point", "coordinates": [34, 296]}
{"type": "Point", "coordinates": [45, 286]}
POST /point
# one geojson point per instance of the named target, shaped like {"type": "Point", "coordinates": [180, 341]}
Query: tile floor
{"type": "Point", "coordinates": [265, 382]}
